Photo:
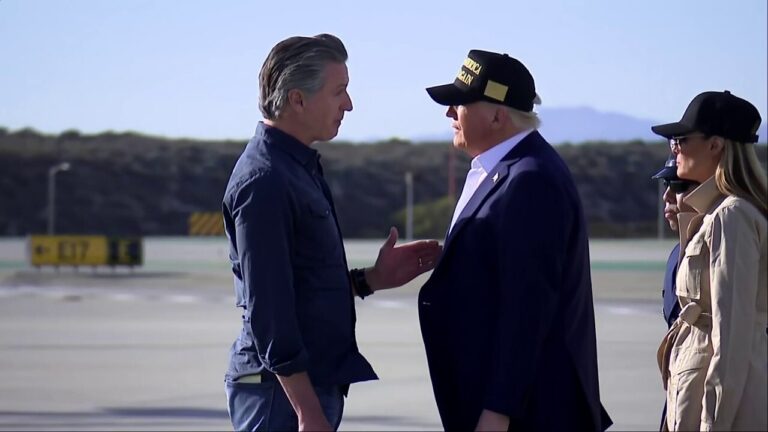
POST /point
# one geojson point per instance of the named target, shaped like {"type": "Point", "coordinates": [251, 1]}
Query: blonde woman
{"type": "Point", "coordinates": [714, 360]}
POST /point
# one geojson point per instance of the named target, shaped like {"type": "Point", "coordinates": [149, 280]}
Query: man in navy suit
{"type": "Point", "coordinates": [507, 315]}
{"type": "Point", "coordinates": [675, 190]}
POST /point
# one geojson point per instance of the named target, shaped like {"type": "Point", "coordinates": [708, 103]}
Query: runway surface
{"type": "Point", "coordinates": [146, 349]}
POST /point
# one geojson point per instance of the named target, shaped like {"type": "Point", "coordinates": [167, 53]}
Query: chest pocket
{"type": "Point", "coordinates": [319, 209]}
{"type": "Point", "coordinates": [319, 242]}
{"type": "Point", "coordinates": [694, 269]}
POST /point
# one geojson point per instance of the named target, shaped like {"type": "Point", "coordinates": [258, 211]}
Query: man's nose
{"type": "Point", "coordinates": [669, 197]}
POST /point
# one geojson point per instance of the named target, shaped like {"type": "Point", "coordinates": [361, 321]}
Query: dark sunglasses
{"type": "Point", "coordinates": [679, 186]}
{"type": "Point", "coordinates": [679, 141]}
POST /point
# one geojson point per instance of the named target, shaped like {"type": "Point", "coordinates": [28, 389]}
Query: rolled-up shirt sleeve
{"type": "Point", "coordinates": [263, 219]}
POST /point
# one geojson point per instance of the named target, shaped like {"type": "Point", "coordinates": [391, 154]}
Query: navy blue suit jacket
{"type": "Point", "coordinates": [507, 315]}
{"type": "Point", "coordinates": [671, 305]}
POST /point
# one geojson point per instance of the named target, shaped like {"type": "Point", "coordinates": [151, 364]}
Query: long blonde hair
{"type": "Point", "coordinates": [739, 173]}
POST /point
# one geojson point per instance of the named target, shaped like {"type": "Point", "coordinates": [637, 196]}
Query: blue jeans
{"type": "Point", "coordinates": [265, 407]}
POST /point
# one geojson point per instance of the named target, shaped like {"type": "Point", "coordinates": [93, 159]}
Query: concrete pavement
{"type": "Point", "coordinates": [147, 350]}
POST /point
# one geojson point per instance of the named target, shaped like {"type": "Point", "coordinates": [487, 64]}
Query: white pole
{"type": "Point", "coordinates": [52, 194]}
{"type": "Point", "coordinates": [408, 205]}
{"type": "Point", "coordinates": [51, 199]}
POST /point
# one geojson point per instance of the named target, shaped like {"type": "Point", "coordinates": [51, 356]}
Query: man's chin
{"type": "Point", "coordinates": [331, 135]}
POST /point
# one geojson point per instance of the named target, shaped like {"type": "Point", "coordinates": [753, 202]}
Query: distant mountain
{"type": "Point", "coordinates": [580, 124]}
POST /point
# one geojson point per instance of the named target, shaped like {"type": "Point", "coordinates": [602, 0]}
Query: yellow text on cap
{"type": "Point", "coordinates": [465, 76]}
{"type": "Point", "coordinates": [473, 66]}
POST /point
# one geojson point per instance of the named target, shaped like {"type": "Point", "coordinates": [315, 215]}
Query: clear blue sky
{"type": "Point", "coordinates": [189, 68]}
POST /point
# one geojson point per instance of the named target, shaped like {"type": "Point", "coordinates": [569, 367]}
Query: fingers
{"type": "Point", "coordinates": [426, 262]}
{"type": "Point", "coordinates": [424, 243]}
{"type": "Point", "coordinates": [422, 246]}
{"type": "Point", "coordinates": [425, 265]}
{"type": "Point", "coordinates": [429, 254]}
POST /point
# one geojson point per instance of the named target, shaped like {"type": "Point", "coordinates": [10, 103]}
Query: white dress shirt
{"type": "Point", "coordinates": [479, 168]}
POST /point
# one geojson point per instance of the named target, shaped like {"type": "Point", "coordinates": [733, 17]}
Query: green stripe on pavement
{"type": "Point", "coordinates": [629, 265]}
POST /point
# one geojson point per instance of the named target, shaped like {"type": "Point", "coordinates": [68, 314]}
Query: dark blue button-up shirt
{"type": "Point", "coordinates": [291, 276]}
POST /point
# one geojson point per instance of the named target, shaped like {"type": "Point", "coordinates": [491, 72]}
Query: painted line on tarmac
{"type": "Point", "coordinates": [627, 308]}
{"type": "Point", "coordinates": [393, 304]}
{"type": "Point", "coordinates": [223, 265]}
{"type": "Point", "coordinates": [76, 294]}
{"type": "Point", "coordinates": [73, 294]}
{"type": "Point", "coordinates": [622, 309]}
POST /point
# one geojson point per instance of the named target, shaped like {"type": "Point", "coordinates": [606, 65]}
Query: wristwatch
{"type": "Point", "coordinates": [362, 289]}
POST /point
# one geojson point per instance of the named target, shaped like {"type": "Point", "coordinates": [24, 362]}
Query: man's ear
{"type": "Point", "coordinates": [296, 99]}
{"type": "Point", "coordinates": [500, 117]}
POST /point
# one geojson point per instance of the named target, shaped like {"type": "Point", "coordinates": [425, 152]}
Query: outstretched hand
{"type": "Point", "coordinates": [397, 265]}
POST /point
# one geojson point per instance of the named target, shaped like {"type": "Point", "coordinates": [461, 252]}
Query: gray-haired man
{"type": "Point", "coordinates": [296, 355]}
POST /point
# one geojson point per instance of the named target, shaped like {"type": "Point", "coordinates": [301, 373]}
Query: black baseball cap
{"type": "Point", "coordinates": [491, 77]}
{"type": "Point", "coordinates": [716, 113]}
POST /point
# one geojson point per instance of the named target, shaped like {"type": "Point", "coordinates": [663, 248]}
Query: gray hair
{"type": "Point", "coordinates": [296, 63]}
{"type": "Point", "coordinates": [525, 119]}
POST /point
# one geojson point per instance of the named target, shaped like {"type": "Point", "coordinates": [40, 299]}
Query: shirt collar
{"type": "Point", "coordinates": [287, 143]}
{"type": "Point", "coordinates": [703, 197]}
{"type": "Point", "coordinates": [491, 157]}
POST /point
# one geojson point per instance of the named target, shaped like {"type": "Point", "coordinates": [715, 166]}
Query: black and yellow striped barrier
{"type": "Point", "coordinates": [206, 224]}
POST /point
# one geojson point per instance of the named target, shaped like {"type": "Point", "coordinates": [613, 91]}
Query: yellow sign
{"type": "Point", "coordinates": [67, 250]}
{"type": "Point", "coordinates": [85, 250]}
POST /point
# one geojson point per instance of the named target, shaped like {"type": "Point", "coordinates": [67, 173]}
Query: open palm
{"type": "Point", "coordinates": [398, 265]}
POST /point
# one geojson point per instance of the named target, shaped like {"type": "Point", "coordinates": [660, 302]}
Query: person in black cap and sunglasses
{"type": "Point", "coordinates": [674, 190]}
{"type": "Point", "coordinates": [714, 359]}
{"type": "Point", "coordinates": [507, 315]}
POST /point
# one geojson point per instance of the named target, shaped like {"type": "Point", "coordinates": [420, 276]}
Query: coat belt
{"type": "Point", "coordinates": [690, 315]}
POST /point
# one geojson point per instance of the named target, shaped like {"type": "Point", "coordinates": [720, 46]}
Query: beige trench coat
{"type": "Point", "coordinates": [714, 360]}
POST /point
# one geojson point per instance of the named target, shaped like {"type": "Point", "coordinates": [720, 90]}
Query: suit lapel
{"type": "Point", "coordinates": [490, 184]}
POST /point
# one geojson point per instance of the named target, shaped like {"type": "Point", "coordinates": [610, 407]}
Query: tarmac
{"type": "Point", "coordinates": [146, 349]}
